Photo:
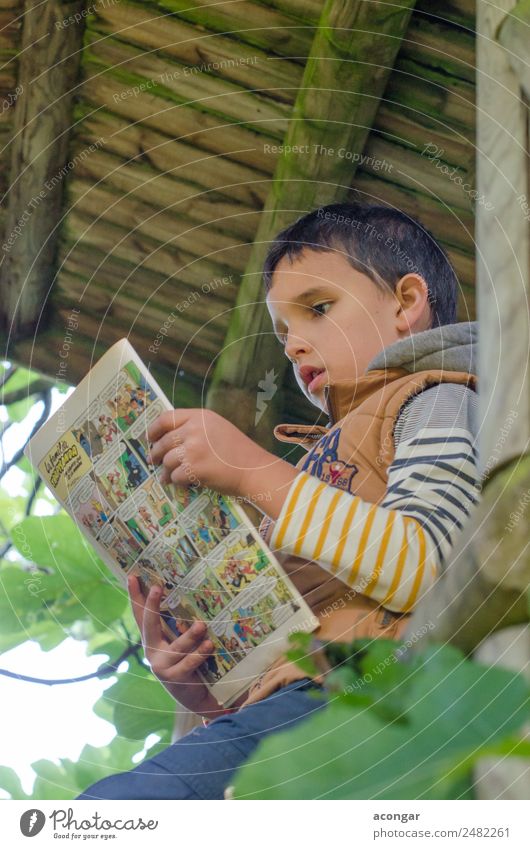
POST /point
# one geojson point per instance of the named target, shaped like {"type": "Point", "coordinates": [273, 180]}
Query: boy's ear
{"type": "Point", "coordinates": [413, 309]}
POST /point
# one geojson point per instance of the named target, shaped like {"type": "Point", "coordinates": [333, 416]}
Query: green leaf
{"type": "Point", "coordinates": [141, 705]}
{"type": "Point", "coordinates": [451, 711]}
{"type": "Point", "coordinates": [10, 782]}
{"type": "Point", "coordinates": [77, 585]}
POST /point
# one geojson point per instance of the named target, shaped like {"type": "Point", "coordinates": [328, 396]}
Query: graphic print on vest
{"type": "Point", "coordinates": [322, 462]}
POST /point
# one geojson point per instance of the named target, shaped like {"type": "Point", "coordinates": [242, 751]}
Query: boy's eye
{"type": "Point", "coordinates": [320, 309]}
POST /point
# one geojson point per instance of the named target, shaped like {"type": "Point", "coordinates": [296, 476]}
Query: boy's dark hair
{"type": "Point", "coordinates": [383, 243]}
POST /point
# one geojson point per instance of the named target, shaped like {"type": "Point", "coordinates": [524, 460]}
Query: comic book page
{"type": "Point", "coordinates": [199, 546]}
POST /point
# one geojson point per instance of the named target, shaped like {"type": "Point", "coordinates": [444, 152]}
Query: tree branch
{"type": "Point", "coordinates": [37, 387]}
{"type": "Point", "coordinates": [107, 669]}
{"type": "Point", "coordinates": [46, 398]}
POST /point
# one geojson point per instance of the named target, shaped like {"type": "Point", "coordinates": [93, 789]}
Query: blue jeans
{"type": "Point", "coordinates": [201, 764]}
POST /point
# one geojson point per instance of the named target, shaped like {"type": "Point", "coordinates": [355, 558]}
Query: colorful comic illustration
{"type": "Point", "coordinates": [64, 466]}
{"type": "Point", "coordinates": [168, 560]}
{"type": "Point", "coordinates": [176, 538]}
{"type": "Point", "coordinates": [200, 525]}
{"type": "Point", "coordinates": [130, 397]}
{"type": "Point", "coordinates": [218, 663]}
{"type": "Point", "coordinates": [147, 512]}
{"type": "Point", "coordinates": [203, 591]}
{"type": "Point", "coordinates": [238, 560]}
{"type": "Point", "coordinates": [119, 473]}
{"type": "Point", "coordinates": [182, 496]}
{"type": "Point", "coordinates": [89, 506]}
{"type": "Point", "coordinates": [88, 437]}
{"type": "Point", "coordinates": [223, 517]}
{"type": "Point", "coordinates": [120, 543]}
{"type": "Point", "coordinates": [137, 434]}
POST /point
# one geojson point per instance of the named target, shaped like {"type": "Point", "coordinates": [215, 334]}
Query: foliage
{"type": "Point", "coordinates": [393, 728]}
{"type": "Point", "coordinates": [54, 587]}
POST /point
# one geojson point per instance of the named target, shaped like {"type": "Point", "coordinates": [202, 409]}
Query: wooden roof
{"type": "Point", "coordinates": [162, 154]}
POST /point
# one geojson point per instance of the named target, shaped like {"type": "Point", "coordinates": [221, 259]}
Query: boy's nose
{"type": "Point", "coordinates": [295, 346]}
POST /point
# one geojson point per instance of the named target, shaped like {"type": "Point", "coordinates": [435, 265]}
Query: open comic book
{"type": "Point", "coordinates": [199, 546]}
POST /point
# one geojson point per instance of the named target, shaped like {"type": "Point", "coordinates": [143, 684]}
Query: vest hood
{"type": "Point", "coordinates": [451, 347]}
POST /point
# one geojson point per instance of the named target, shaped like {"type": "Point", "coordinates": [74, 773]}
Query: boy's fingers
{"type": "Point", "coordinates": [182, 646]}
{"type": "Point", "coordinates": [169, 420]}
{"type": "Point", "coordinates": [194, 659]}
{"type": "Point", "coordinates": [152, 629]}
{"type": "Point", "coordinates": [137, 600]}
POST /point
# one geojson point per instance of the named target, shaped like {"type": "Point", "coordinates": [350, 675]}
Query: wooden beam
{"type": "Point", "coordinates": [485, 585]}
{"type": "Point", "coordinates": [502, 247]}
{"type": "Point", "coordinates": [351, 57]}
{"type": "Point", "coordinates": [48, 70]}
{"type": "Point", "coordinates": [514, 36]}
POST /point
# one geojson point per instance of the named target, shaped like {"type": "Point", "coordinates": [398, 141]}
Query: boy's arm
{"type": "Point", "coordinates": [393, 552]}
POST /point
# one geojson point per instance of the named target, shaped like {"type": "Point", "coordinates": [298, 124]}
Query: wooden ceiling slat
{"type": "Point", "coordinates": [131, 216]}
{"type": "Point", "coordinates": [207, 52]}
{"type": "Point", "coordinates": [90, 263]}
{"type": "Point", "coordinates": [192, 166]}
{"type": "Point", "coordinates": [141, 250]}
{"type": "Point", "coordinates": [136, 181]}
{"type": "Point", "coordinates": [251, 23]}
{"type": "Point", "coordinates": [217, 96]}
{"type": "Point", "coordinates": [127, 311]}
{"type": "Point", "coordinates": [182, 123]}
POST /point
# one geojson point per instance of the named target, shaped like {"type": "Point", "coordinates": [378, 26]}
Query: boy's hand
{"type": "Point", "coordinates": [200, 447]}
{"type": "Point", "coordinates": [174, 663]}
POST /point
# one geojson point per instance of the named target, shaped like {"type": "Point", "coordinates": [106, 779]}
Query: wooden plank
{"type": "Point", "coordinates": [155, 227]}
{"type": "Point", "coordinates": [514, 35]}
{"type": "Point", "coordinates": [352, 54]}
{"type": "Point", "coordinates": [135, 181]}
{"type": "Point", "coordinates": [169, 260]}
{"type": "Point", "coordinates": [191, 165]}
{"type": "Point", "coordinates": [168, 79]}
{"type": "Point", "coordinates": [182, 123]}
{"type": "Point", "coordinates": [503, 248]}
{"type": "Point", "coordinates": [249, 22]}
{"type": "Point", "coordinates": [48, 69]}
{"type": "Point", "coordinates": [201, 51]}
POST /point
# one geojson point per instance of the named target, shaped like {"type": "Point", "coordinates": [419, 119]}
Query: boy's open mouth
{"type": "Point", "coordinates": [312, 376]}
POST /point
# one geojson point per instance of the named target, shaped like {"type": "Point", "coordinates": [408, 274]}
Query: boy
{"type": "Point", "coordinates": [363, 300]}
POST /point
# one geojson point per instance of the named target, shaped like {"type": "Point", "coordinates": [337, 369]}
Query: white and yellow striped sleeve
{"type": "Point", "coordinates": [394, 551]}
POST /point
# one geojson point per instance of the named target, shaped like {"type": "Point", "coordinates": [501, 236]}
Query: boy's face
{"type": "Point", "coordinates": [330, 318]}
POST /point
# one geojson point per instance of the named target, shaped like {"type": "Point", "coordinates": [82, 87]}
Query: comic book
{"type": "Point", "coordinates": [198, 545]}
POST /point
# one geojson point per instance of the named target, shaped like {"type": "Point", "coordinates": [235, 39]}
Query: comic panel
{"type": "Point", "coordinates": [218, 663]}
{"type": "Point", "coordinates": [261, 609]}
{"type": "Point", "coordinates": [119, 473]}
{"type": "Point", "coordinates": [147, 512]}
{"type": "Point", "coordinates": [199, 523]}
{"type": "Point", "coordinates": [203, 591]}
{"type": "Point", "coordinates": [223, 517]}
{"type": "Point", "coordinates": [177, 540]}
{"type": "Point", "coordinates": [89, 506]}
{"type": "Point", "coordinates": [128, 397]}
{"type": "Point", "coordinates": [137, 435]}
{"type": "Point", "coordinates": [120, 543]}
{"type": "Point", "coordinates": [171, 566]}
{"type": "Point", "coordinates": [238, 560]}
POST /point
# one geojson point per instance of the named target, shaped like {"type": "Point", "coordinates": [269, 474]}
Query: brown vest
{"type": "Point", "coordinates": [363, 414]}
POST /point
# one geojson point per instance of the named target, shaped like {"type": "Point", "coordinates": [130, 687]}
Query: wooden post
{"type": "Point", "coordinates": [48, 69]}
{"type": "Point", "coordinates": [352, 55]}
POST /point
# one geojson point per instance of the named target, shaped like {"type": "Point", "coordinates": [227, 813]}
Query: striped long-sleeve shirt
{"type": "Point", "coordinates": [392, 552]}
